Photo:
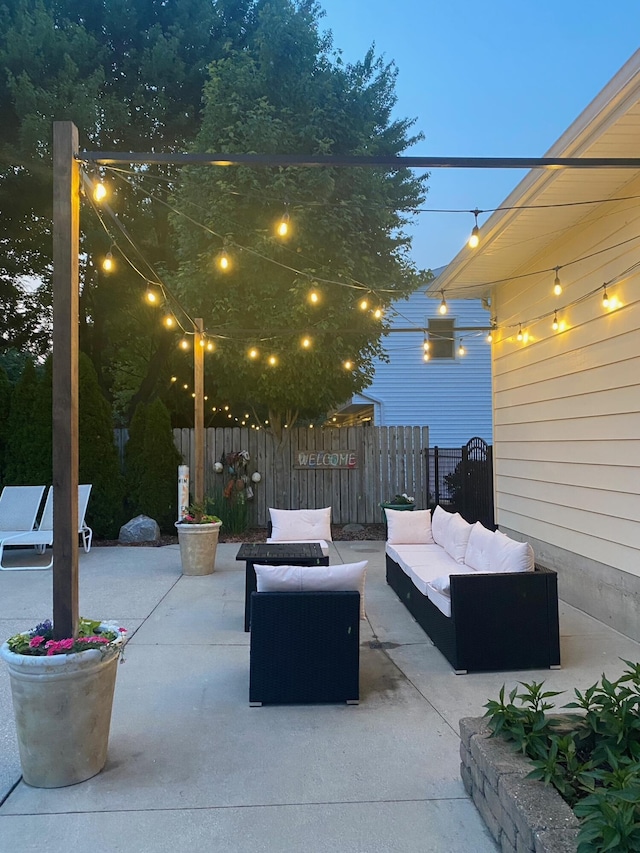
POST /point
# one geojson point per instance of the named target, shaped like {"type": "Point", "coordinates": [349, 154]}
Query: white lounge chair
{"type": "Point", "coordinates": [19, 507]}
{"type": "Point", "coordinates": [42, 537]}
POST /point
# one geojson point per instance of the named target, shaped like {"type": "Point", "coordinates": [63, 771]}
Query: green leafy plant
{"type": "Point", "coordinates": [402, 500]}
{"type": "Point", "coordinates": [198, 513]}
{"type": "Point", "coordinates": [592, 758]}
{"type": "Point", "coordinates": [92, 634]}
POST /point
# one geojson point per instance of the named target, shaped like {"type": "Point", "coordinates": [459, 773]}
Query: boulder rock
{"type": "Point", "coordinates": [139, 529]}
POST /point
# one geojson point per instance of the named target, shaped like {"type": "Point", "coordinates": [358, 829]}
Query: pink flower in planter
{"type": "Point", "coordinates": [34, 642]}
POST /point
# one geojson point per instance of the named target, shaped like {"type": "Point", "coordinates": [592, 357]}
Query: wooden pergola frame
{"type": "Point", "coordinates": [66, 231]}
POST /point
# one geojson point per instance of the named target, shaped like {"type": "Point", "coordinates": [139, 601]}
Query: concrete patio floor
{"type": "Point", "coordinates": [192, 767]}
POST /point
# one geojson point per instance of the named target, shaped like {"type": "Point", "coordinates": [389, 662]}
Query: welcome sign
{"type": "Point", "coordinates": [326, 459]}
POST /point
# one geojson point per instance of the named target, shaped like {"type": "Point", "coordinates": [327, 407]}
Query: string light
{"type": "Point", "coordinates": [223, 261]}
{"type": "Point", "coordinates": [169, 321]}
{"type": "Point", "coordinates": [313, 297]}
{"type": "Point", "coordinates": [151, 295]}
{"type": "Point", "coordinates": [461, 349]}
{"type": "Point", "coordinates": [282, 229]}
{"type": "Point", "coordinates": [557, 286]}
{"type": "Point", "coordinates": [474, 239]}
{"type": "Point", "coordinates": [605, 297]}
{"type": "Point", "coordinates": [305, 343]}
{"type": "Point", "coordinates": [272, 360]}
{"type": "Point", "coordinates": [348, 365]}
{"type": "Point", "coordinates": [211, 347]}
{"type": "Point", "coordinates": [489, 337]}
{"type": "Point", "coordinates": [443, 305]}
{"type": "Point", "coordinates": [378, 314]}
{"type": "Point", "coordinates": [363, 304]}
{"type": "Point", "coordinates": [253, 353]}
{"type": "Point", "coordinates": [184, 344]}
{"type": "Point", "coordinates": [99, 192]}
{"type": "Point", "coordinates": [108, 263]}
{"type": "Point", "coordinates": [554, 325]}
{"type": "Point", "coordinates": [519, 336]}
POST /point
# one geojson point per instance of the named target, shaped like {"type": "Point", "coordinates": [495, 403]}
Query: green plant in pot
{"type": "Point", "coordinates": [399, 502]}
{"type": "Point", "coordinates": [74, 678]}
{"type": "Point", "coordinates": [198, 532]}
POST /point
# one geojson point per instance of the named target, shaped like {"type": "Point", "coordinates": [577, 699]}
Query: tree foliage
{"type": "Point", "coordinates": [285, 92]}
{"type": "Point", "coordinates": [151, 465]}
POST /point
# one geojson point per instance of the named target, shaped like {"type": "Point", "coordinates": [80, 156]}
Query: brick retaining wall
{"type": "Point", "coordinates": [523, 815]}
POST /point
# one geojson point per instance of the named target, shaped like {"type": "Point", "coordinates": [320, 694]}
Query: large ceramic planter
{"type": "Point", "coordinates": [62, 706]}
{"type": "Point", "coordinates": [198, 545]}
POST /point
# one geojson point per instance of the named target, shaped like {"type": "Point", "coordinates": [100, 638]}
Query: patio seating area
{"type": "Point", "coordinates": [192, 766]}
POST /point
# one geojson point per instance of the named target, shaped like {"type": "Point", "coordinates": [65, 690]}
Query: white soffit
{"type": "Point", "coordinates": [510, 240]}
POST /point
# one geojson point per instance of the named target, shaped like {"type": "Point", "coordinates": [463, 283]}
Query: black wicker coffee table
{"type": "Point", "coordinates": [275, 554]}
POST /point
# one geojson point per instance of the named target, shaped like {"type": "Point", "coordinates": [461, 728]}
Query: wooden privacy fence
{"type": "Point", "coordinates": [351, 469]}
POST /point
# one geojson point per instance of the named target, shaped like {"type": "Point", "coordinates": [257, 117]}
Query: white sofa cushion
{"type": "Point", "coordinates": [439, 523]}
{"type": "Point", "coordinates": [457, 538]}
{"type": "Point", "coordinates": [478, 554]}
{"type": "Point", "coordinates": [409, 528]}
{"type": "Point", "coordinates": [300, 525]}
{"type": "Point", "coordinates": [344, 576]}
{"type": "Point", "coordinates": [507, 555]}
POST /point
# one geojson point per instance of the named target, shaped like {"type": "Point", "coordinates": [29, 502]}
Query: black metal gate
{"type": "Point", "coordinates": [461, 479]}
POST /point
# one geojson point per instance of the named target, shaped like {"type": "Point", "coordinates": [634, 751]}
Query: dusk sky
{"type": "Point", "coordinates": [499, 79]}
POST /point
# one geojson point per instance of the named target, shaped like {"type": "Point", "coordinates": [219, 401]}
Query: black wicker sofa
{"type": "Point", "coordinates": [497, 620]}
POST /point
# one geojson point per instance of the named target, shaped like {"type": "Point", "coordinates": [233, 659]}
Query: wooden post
{"type": "Point", "coordinates": [198, 412]}
{"type": "Point", "coordinates": [66, 226]}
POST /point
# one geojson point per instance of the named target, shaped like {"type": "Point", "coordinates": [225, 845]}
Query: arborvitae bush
{"type": "Point", "coordinates": [151, 465]}
{"type": "Point", "coordinates": [28, 446]}
{"type": "Point", "coordinates": [99, 461]}
{"type": "Point", "coordinates": [6, 394]}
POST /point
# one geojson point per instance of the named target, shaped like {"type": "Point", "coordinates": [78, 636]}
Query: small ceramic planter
{"type": "Point", "coordinates": [198, 545]}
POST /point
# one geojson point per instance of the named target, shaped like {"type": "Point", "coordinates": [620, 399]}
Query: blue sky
{"type": "Point", "coordinates": [504, 79]}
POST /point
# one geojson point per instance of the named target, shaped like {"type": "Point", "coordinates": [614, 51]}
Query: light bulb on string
{"type": "Point", "coordinates": [169, 321]}
{"type": "Point", "coordinates": [461, 350]}
{"type": "Point", "coordinates": [313, 296]}
{"type": "Point", "coordinates": [378, 314]}
{"type": "Point", "coordinates": [557, 286]}
{"type": "Point", "coordinates": [489, 337]}
{"type": "Point", "coordinates": [151, 295]}
{"type": "Point", "coordinates": [443, 305]}
{"type": "Point", "coordinates": [425, 355]}
{"type": "Point", "coordinates": [348, 365]}
{"type": "Point", "coordinates": [425, 345]}
{"type": "Point", "coordinates": [555, 324]}
{"type": "Point", "coordinates": [605, 297]}
{"type": "Point", "coordinates": [272, 360]}
{"type": "Point", "coordinates": [203, 341]}
{"type": "Point", "coordinates": [108, 264]}
{"type": "Point", "coordinates": [184, 344]}
{"type": "Point", "coordinates": [282, 229]}
{"type": "Point", "coordinates": [305, 343]}
{"type": "Point", "coordinates": [99, 192]}
{"type": "Point", "coordinates": [211, 347]}
{"type": "Point", "coordinates": [253, 353]}
{"type": "Point", "coordinates": [363, 304]}
{"type": "Point", "coordinates": [223, 261]}
{"type": "Point", "coordinates": [474, 239]}
{"type": "Point", "coordinates": [519, 336]}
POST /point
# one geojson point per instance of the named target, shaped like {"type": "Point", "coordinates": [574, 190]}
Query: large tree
{"type": "Point", "coordinates": [286, 92]}
{"type": "Point", "coordinates": [130, 74]}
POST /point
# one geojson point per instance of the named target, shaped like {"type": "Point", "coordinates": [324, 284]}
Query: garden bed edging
{"type": "Point", "coordinates": [523, 815]}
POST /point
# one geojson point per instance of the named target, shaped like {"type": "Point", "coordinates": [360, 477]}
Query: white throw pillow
{"type": "Point", "coordinates": [507, 555]}
{"type": "Point", "coordinates": [439, 524]}
{"type": "Point", "coordinates": [457, 538]}
{"type": "Point", "coordinates": [409, 528]}
{"type": "Point", "coordinates": [344, 576]}
{"type": "Point", "coordinates": [478, 554]}
{"type": "Point", "coordinates": [301, 525]}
